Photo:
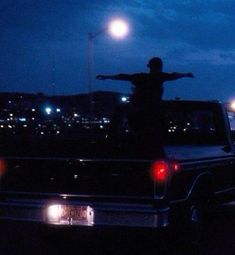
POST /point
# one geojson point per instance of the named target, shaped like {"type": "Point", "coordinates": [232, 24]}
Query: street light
{"type": "Point", "coordinates": [117, 28]}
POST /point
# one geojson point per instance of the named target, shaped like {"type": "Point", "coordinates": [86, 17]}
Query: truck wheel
{"type": "Point", "coordinates": [194, 223]}
{"type": "Point", "coordinates": [184, 232]}
{"type": "Point", "coordinates": [197, 211]}
{"type": "Point", "coordinates": [186, 224]}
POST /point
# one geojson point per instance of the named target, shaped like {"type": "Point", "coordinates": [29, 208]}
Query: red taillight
{"type": "Point", "coordinates": [175, 166]}
{"type": "Point", "coordinates": [3, 167]}
{"type": "Point", "coordinates": [160, 171]}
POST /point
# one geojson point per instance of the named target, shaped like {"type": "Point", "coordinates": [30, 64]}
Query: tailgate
{"type": "Point", "coordinates": [104, 177]}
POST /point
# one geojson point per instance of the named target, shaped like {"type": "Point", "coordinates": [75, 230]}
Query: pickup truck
{"type": "Point", "coordinates": [127, 180]}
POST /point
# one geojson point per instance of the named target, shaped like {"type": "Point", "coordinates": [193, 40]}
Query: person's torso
{"type": "Point", "coordinates": [148, 88]}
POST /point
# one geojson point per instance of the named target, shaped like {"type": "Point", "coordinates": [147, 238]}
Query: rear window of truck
{"type": "Point", "coordinates": [128, 135]}
{"type": "Point", "coordinates": [178, 124]}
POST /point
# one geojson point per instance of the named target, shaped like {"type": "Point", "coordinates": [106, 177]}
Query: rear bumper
{"type": "Point", "coordinates": [105, 214]}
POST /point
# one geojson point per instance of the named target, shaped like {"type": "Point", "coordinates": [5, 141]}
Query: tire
{"type": "Point", "coordinates": [189, 220]}
{"type": "Point", "coordinates": [186, 228]}
{"type": "Point", "coordinates": [193, 224]}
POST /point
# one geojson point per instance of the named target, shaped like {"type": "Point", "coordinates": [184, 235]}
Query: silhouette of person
{"type": "Point", "coordinates": [145, 102]}
{"type": "Point", "coordinates": [148, 87]}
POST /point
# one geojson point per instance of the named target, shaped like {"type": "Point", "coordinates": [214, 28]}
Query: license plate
{"type": "Point", "coordinates": [70, 215]}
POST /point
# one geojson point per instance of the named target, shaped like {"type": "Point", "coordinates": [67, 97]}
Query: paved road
{"type": "Point", "coordinates": [21, 238]}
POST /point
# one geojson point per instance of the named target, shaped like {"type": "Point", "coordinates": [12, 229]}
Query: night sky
{"type": "Point", "coordinates": [42, 41]}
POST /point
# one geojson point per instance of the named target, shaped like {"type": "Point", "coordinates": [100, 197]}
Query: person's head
{"type": "Point", "coordinates": [155, 64]}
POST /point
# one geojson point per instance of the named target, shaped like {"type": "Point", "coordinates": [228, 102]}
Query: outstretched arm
{"type": "Point", "coordinates": [122, 77]}
{"type": "Point", "coordinates": [175, 76]}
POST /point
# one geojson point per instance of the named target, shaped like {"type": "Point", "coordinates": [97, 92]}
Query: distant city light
{"type": "Point", "coordinates": [124, 99]}
{"type": "Point", "coordinates": [53, 120]}
{"type": "Point", "coordinates": [22, 119]}
{"type": "Point", "coordinates": [48, 110]}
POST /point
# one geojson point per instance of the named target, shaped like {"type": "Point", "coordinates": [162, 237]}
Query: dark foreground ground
{"type": "Point", "coordinates": [25, 238]}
